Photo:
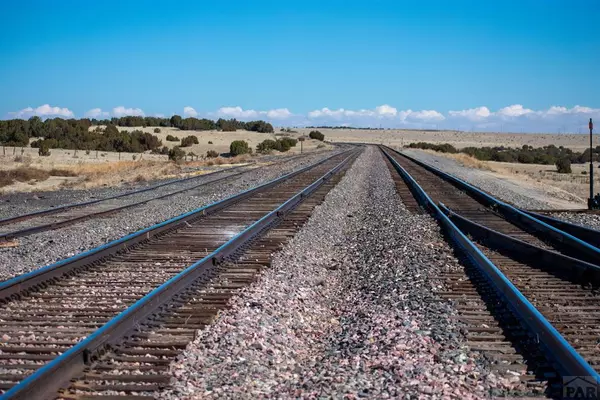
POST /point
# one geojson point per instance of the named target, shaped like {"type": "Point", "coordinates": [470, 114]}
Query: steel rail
{"type": "Point", "coordinates": [54, 210]}
{"type": "Point", "coordinates": [56, 374]}
{"type": "Point", "coordinates": [569, 362]}
{"type": "Point", "coordinates": [549, 259]}
{"type": "Point", "coordinates": [55, 225]}
{"type": "Point", "coordinates": [12, 287]}
{"type": "Point", "coordinates": [588, 235]}
{"type": "Point", "coordinates": [518, 217]}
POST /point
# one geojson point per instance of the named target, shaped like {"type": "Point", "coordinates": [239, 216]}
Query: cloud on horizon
{"type": "Point", "coordinates": [43, 111]}
{"type": "Point", "coordinates": [513, 118]}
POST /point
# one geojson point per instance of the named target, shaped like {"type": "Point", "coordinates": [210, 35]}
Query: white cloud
{"type": "Point", "coordinates": [43, 111]}
{"type": "Point", "coordinates": [515, 110]}
{"type": "Point", "coordinates": [279, 113]}
{"type": "Point", "coordinates": [236, 112]}
{"type": "Point", "coordinates": [472, 114]}
{"type": "Point", "coordinates": [239, 113]}
{"type": "Point", "coordinates": [189, 112]}
{"type": "Point", "coordinates": [426, 115]}
{"type": "Point", "coordinates": [96, 113]}
{"type": "Point", "coordinates": [517, 118]}
{"type": "Point", "coordinates": [386, 110]}
{"type": "Point", "coordinates": [385, 116]}
{"type": "Point", "coordinates": [383, 111]}
{"type": "Point", "coordinates": [123, 112]}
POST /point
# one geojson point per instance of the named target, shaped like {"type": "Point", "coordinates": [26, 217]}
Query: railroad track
{"type": "Point", "coordinates": [57, 217]}
{"type": "Point", "coordinates": [109, 322]}
{"type": "Point", "coordinates": [527, 305]}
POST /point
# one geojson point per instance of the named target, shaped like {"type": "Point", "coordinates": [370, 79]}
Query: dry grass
{"type": "Point", "coordinates": [471, 162]}
{"type": "Point", "coordinates": [464, 159]}
{"type": "Point", "coordinates": [112, 174]}
{"type": "Point", "coordinates": [87, 175]}
{"type": "Point", "coordinates": [22, 174]}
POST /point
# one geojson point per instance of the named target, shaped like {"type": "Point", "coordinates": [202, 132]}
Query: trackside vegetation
{"type": "Point", "coordinates": [76, 133]}
{"type": "Point", "coordinates": [560, 156]}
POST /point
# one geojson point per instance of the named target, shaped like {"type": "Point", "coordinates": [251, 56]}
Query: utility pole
{"type": "Point", "coordinates": [591, 199]}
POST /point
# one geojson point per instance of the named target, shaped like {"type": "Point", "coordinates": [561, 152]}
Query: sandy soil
{"type": "Point", "coordinates": [396, 137]}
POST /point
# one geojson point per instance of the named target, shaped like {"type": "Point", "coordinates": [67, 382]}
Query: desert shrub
{"type": "Point", "coordinates": [156, 130]}
{"type": "Point", "coordinates": [171, 138]}
{"type": "Point", "coordinates": [22, 174]}
{"type": "Point", "coordinates": [188, 141]}
{"type": "Point", "coordinates": [266, 146]}
{"type": "Point", "coordinates": [134, 157]}
{"type": "Point", "coordinates": [212, 154]}
{"type": "Point", "coordinates": [320, 146]}
{"type": "Point", "coordinates": [44, 150]}
{"type": "Point", "coordinates": [316, 135]}
{"type": "Point", "coordinates": [209, 142]}
{"type": "Point", "coordinates": [164, 150]}
{"type": "Point", "coordinates": [176, 154]}
{"type": "Point", "coordinates": [238, 147]}
{"type": "Point", "coordinates": [283, 145]}
{"type": "Point", "coordinates": [563, 166]}
{"type": "Point", "coordinates": [442, 148]}
{"type": "Point", "coordinates": [289, 142]}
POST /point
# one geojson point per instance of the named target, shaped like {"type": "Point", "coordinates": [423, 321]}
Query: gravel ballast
{"type": "Point", "coordinates": [44, 248]}
{"type": "Point", "coordinates": [506, 190]}
{"type": "Point", "coordinates": [347, 309]}
{"type": "Point", "coordinates": [591, 221]}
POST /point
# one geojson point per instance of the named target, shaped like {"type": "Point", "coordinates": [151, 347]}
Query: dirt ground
{"type": "Point", "coordinates": [396, 137]}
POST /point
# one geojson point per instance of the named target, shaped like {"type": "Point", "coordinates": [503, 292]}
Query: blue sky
{"type": "Point", "coordinates": [466, 64]}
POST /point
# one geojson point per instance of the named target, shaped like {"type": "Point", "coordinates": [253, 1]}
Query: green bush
{"type": "Point", "coordinates": [212, 154]}
{"type": "Point", "coordinates": [238, 147]}
{"type": "Point", "coordinates": [44, 150]}
{"type": "Point", "coordinates": [176, 154]}
{"type": "Point", "coordinates": [188, 141]}
{"type": "Point", "coordinates": [442, 148]}
{"type": "Point", "coordinates": [289, 142]}
{"type": "Point", "coordinates": [171, 138]}
{"type": "Point", "coordinates": [563, 166]}
{"type": "Point", "coordinates": [283, 145]}
{"type": "Point", "coordinates": [316, 135]}
{"type": "Point", "coordinates": [156, 130]}
{"type": "Point", "coordinates": [266, 146]}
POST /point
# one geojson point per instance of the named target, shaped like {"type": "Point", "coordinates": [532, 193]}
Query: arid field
{"type": "Point", "coordinates": [458, 139]}
{"type": "Point", "coordinates": [86, 169]}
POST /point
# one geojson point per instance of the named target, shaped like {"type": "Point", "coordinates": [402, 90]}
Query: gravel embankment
{"type": "Point", "coordinates": [591, 221]}
{"type": "Point", "coordinates": [504, 189]}
{"type": "Point", "coordinates": [527, 198]}
{"type": "Point", "coordinates": [47, 247]}
{"type": "Point", "coordinates": [347, 309]}
{"type": "Point", "coordinates": [14, 204]}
